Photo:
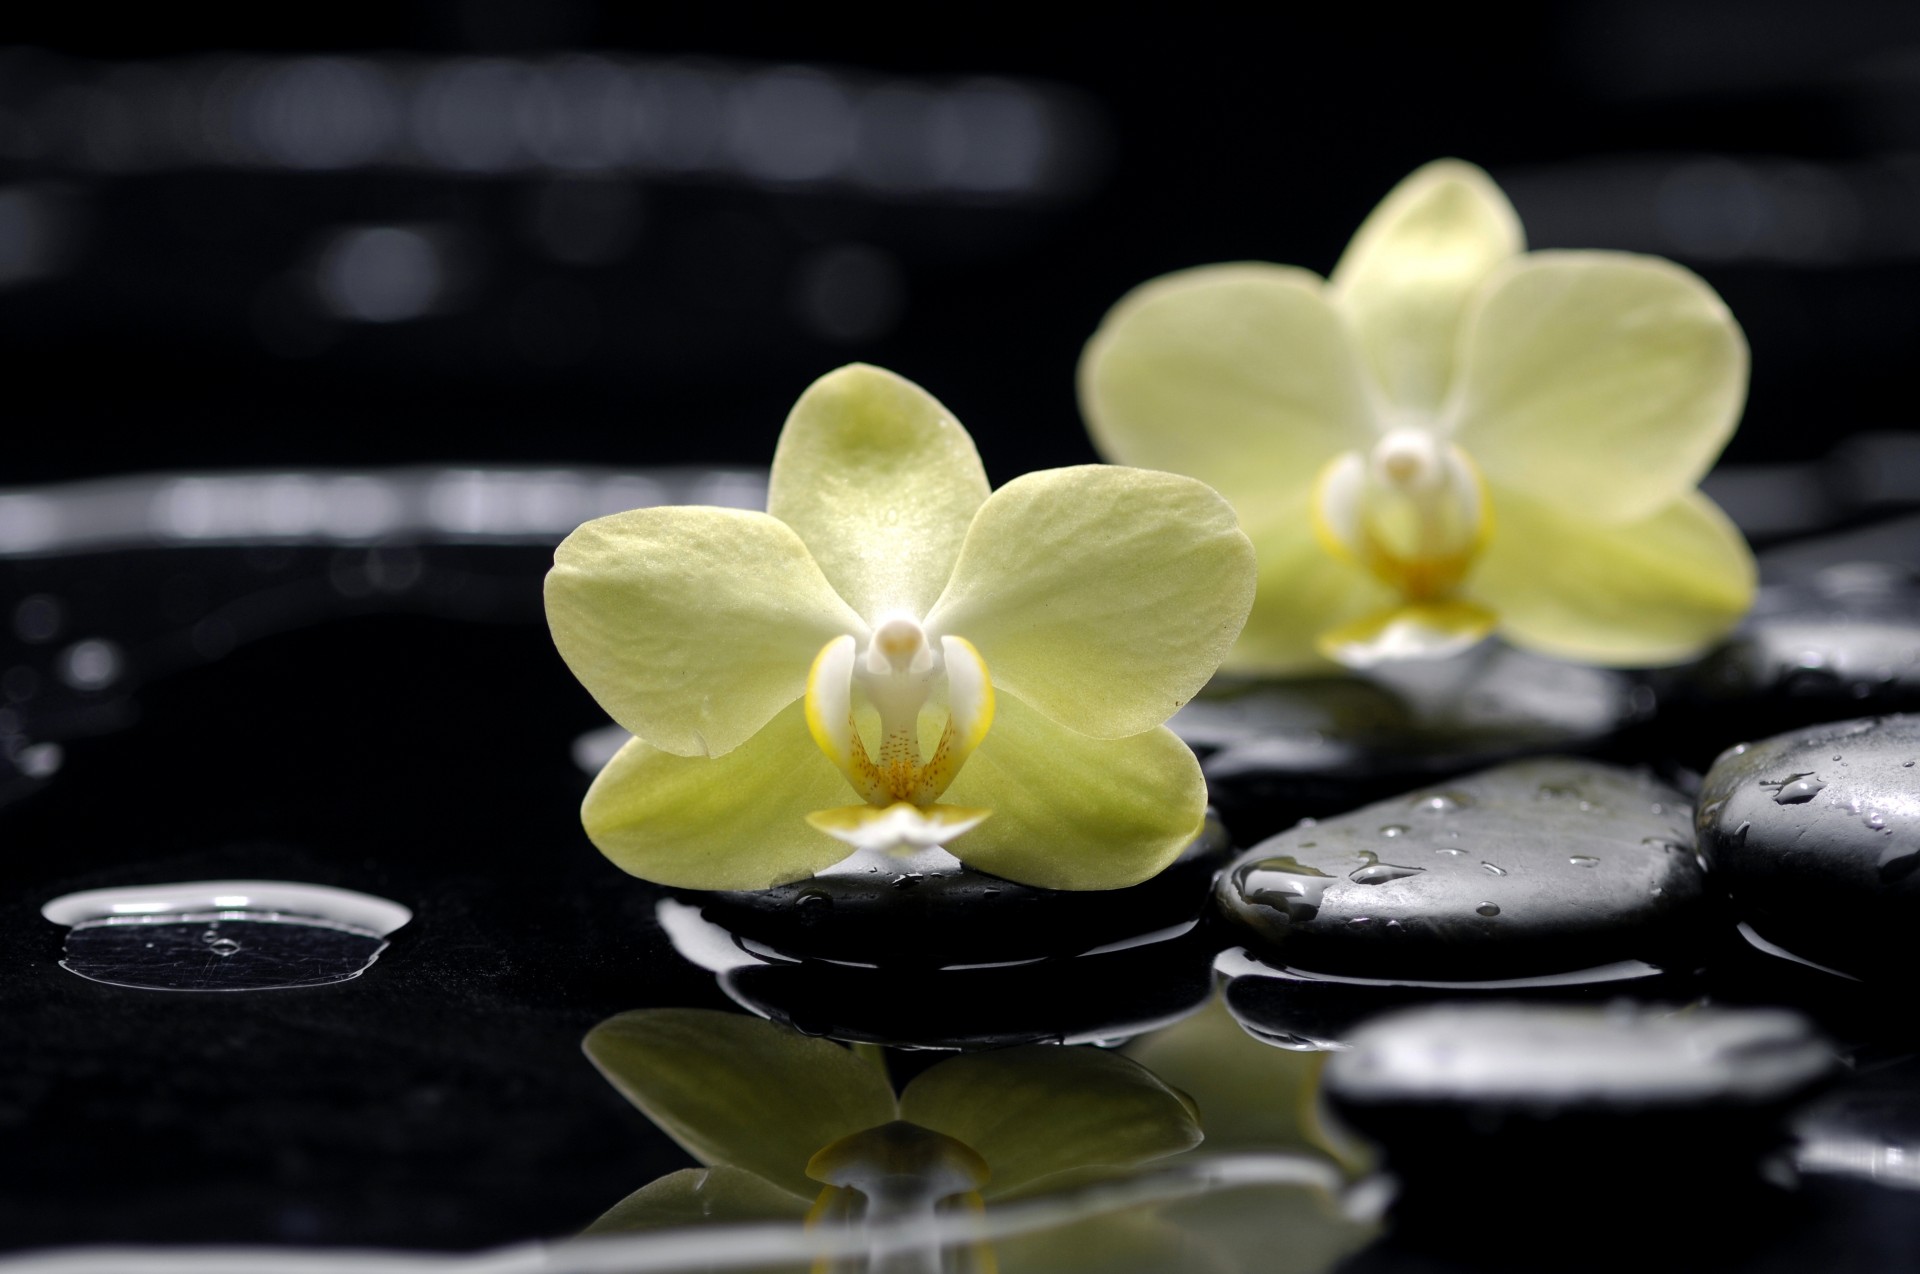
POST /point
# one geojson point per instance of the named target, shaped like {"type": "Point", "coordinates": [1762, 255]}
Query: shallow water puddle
{"type": "Point", "coordinates": [223, 935]}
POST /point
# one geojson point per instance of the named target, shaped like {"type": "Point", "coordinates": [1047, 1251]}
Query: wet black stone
{"type": "Point", "coordinates": [1533, 1115]}
{"type": "Point", "coordinates": [956, 915]}
{"type": "Point", "coordinates": [1276, 752]}
{"type": "Point", "coordinates": [1535, 867]}
{"type": "Point", "coordinates": [1816, 835]}
{"type": "Point", "coordinates": [1830, 635]}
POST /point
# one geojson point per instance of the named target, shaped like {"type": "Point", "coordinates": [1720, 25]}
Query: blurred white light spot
{"type": "Point", "coordinates": [381, 274]}
{"type": "Point", "coordinates": [582, 113]}
{"type": "Point", "coordinates": [93, 664]}
{"type": "Point", "coordinates": [321, 113]}
{"type": "Point", "coordinates": [730, 490]}
{"type": "Point", "coordinates": [467, 116]}
{"type": "Point", "coordinates": [896, 129]}
{"type": "Point", "coordinates": [679, 117]}
{"type": "Point", "coordinates": [592, 750]}
{"type": "Point", "coordinates": [40, 760]}
{"type": "Point", "coordinates": [990, 138]}
{"type": "Point", "coordinates": [849, 293]}
{"type": "Point", "coordinates": [359, 509]}
{"type": "Point", "coordinates": [790, 125]}
{"type": "Point", "coordinates": [27, 523]}
{"type": "Point", "coordinates": [1714, 208]}
{"type": "Point", "coordinates": [617, 495]}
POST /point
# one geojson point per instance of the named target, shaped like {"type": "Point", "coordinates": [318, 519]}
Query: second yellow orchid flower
{"type": "Point", "coordinates": [1447, 438]}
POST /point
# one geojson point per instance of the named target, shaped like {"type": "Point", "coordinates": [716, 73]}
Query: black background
{"type": "Point", "coordinates": [441, 1100]}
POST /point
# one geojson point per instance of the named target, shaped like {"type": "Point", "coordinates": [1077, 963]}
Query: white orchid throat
{"type": "Point", "coordinates": [897, 672]}
{"type": "Point", "coordinates": [1414, 514]}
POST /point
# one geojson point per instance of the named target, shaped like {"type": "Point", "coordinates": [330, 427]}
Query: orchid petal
{"type": "Point", "coordinates": [1304, 588]}
{"type": "Point", "coordinates": [691, 627]}
{"type": "Point", "coordinates": [699, 1196]}
{"type": "Point", "coordinates": [1406, 278]}
{"type": "Point", "coordinates": [1102, 596]}
{"type": "Point", "coordinates": [731, 822]}
{"type": "Point", "coordinates": [1073, 812]}
{"type": "Point", "coordinates": [1039, 1111]}
{"type": "Point", "coordinates": [1599, 378]}
{"type": "Point", "coordinates": [899, 828]}
{"type": "Point", "coordinates": [1652, 592]}
{"type": "Point", "coordinates": [738, 1091]}
{"type": "Point", "coordinates": [1239, 375]}
{"type": "Point", "coordinates": [1411, 630]}
{"type": "Point", "coordinates": [881, 482]}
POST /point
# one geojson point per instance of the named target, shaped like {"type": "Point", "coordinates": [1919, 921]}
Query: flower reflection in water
{"type": "Point", "coordinates": [799, 1129]}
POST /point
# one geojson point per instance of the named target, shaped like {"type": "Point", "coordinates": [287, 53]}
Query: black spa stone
{"type": "Point", "coordinates": [935, 911]}
{"type": "Point", "coordinates": [1827, 638]}
{"type": "Point", "coordinates": [1816, 836]}
{"type": "Point", "coordinates": [1540, 866]}
{"type": "Point", "coordinates": [1276, 752]}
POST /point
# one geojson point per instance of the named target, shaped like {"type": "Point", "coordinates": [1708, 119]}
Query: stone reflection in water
{"type": "Point", "coordinates": [1108, 993]}
{"type": "Point", "coordinates": [223, 935]}
{"type": "Point", "coordinates": [792, 1128]}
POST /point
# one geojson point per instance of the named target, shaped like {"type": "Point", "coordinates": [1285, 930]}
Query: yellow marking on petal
{"type": "Point", "coordinates": [901, 827]}
{"type": "Point", "coordinates": [829, 710]}
{"type": "Point", "coordinates": [1423, 630]}
{"type": "Point", "coordinates": [970, 716]}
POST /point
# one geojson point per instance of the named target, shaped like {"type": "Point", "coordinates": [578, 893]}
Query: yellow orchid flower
{"type": "Point", "coordinates": [986, 672]}
{"type": "Point", "coordinates": [1448, 437]}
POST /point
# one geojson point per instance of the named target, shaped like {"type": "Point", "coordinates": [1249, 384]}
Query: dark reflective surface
{"type": "Point", "coordinates": [438, 1099]}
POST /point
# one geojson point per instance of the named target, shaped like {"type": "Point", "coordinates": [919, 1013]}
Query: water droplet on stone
{"type": "Point", "coordinates": [1359, 922]}
{"type": "Point", "coordinates": [1451, 852]}
{"type": "Point", "coordinates": [1795, 789]}
{"type": "Point", "coordinates": [1488, 909]}
{"type": "Point", "coordinates": [1285, 884]}
{"type": "Point", "coordinates": [1583, 860]}
{"type": "Point", "coordinates": [814, 901]}
{"type": "Point", "coordinates": [1494, 871]}
{"type": "Point", "coordinates": [1375, 872]}
{"type": "Point", "coordinates": [1444, 802]}
{"type": "Point", "coordinates": [223, 946]}
{"type": "Point", "coordinates": [1394, 829]}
